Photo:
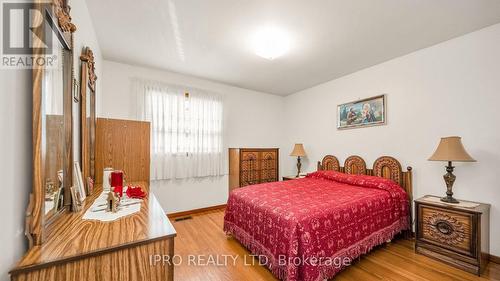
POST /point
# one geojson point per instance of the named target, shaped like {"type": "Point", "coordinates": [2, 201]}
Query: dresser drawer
{"type": "Point", "coordinates": [447, 229]}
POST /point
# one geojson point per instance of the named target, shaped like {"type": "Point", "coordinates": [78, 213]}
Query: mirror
{"type": "Point", "coordinates": [52, 118]}
{"type": "Point", "coordinates": [53, 138]}
{"type": "Point", "coordinates": [56, 114]}
{"type": "Point", "coordinates": [88, 116]}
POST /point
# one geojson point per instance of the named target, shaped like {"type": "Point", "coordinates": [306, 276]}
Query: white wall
{"type": "Point", "coordinates": [449, 89]}
{"type": "Point", "coordinates": [15, 143]}
{"type": "Point", "coordinates": [251, 119]}
{"type": "Point", "coordinates": [15, 164]}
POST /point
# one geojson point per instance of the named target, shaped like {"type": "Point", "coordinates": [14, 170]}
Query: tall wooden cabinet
{"type": "Point", "coordinates": [249, 166]}
{"type": "Point", "coordinates": [123, 145]}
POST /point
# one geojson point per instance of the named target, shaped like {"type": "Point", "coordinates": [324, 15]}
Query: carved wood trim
{"type": "Point", "coordinates": [388, 167]}
{"type": "Point", "coordinates": [445, 228]}
{"type": "Point", "coordinates": [62, 12]}
{"type": "Point", "coordinates": [330, 162]}
{"type": "Point", "coordinates": [36, 219]}
{"type": "Point", "coordinates": [355, 165]}
{"type": "Point", "coordinates": [88, 123]}
{"type": "Point", "coordinates": [249, 168]}
{"type": "Point", "coordinates": [28, 231]}
{"type": "Point", "coordinates": [88, 57]}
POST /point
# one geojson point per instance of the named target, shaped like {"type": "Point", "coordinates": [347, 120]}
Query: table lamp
{"type": "Point", "coordinates": [450, 149]}
{"type": "Point", "coordinates": [298, 151]}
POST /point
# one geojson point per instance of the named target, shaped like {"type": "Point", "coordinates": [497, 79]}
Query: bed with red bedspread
{"type": "Point", "coordinates": [305, 229]}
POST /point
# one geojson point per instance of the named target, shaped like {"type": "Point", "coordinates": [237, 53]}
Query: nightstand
{"type": "Point", "coordinates": [457, 234]}
{"type": "Point", "coordinates": [287, 178]}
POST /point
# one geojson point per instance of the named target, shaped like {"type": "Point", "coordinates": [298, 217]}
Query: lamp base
{"type": "Point", "coordinates": [298, 166]}
{"type": "Point", "coordinates": [449, 179]}
{"type": "Point", "coordinates": [450, 199]}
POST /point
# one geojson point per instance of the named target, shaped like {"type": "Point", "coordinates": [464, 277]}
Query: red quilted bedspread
{"type": "Point", "coordinates": [303, 228]}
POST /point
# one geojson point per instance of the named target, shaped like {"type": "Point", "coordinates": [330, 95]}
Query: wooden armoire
{"type": "Point", "coordinates": [249, 166]}
{"type": "Point", "coordinates": [123, 145]}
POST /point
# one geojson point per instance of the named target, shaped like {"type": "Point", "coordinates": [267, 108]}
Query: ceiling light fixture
{"type": "Point", "coordinates": [271, 42]}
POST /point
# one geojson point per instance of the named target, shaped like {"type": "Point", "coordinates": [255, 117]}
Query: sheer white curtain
{"type": "Point", "coordinates": [53, 87]}
{"type": "Point", "coordinates": [186, 131]}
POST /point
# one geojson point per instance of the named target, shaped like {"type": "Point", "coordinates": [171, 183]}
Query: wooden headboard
{"type": "Point", "coordinates": [385, 167]}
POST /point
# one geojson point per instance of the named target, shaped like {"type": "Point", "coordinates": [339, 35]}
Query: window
{"type": "Point", "coordinates": [186, 131]}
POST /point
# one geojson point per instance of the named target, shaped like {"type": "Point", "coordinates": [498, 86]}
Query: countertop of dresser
{"type": "Point", "coordinates": [71, 238]}
{"type": "Point", "coordinates": [480, 208]}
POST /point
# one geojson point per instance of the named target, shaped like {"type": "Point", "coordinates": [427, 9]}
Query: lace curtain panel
{"type": "Point", "coordinates": [187, 130]}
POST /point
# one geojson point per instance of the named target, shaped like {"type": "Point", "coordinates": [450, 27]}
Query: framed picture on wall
{"type": "Point", "coordinates": [362, 113]}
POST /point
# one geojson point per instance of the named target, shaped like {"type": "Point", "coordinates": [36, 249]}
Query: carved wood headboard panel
{"type": "Point", "coordinates": [355, 165]}
{"type": "Point", "coordinates": [389, 168]}
{"type": "Point", "coordinates": [330, 162]}
{"type": "Point", "coordinates": [385, 167]}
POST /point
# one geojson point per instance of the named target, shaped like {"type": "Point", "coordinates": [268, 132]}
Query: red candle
{"type": "Point", "coordinates": [116, 178]}
{"type": "Point", "coordinates": [118, 190]}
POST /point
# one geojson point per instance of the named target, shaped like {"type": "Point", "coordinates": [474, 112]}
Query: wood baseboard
{"type": "Point", "coordinates": [494, 259]}
{"type": "Point", "coordinates": [195, 211]}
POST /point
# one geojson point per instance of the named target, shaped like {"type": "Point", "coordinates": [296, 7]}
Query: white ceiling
{"type": "Point", "coordinates": [330, 38]}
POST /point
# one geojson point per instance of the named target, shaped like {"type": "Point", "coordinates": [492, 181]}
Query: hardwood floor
{"type": "Point", "coordinates": [202, 235]}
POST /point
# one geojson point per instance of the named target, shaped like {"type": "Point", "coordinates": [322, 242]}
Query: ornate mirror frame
{"type": "Point", "coordinates": [56, 19]}
{"type": "Point", "coordinates": [88, 113]}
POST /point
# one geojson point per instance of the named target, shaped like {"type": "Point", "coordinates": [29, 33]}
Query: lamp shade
{"type": "Point", "coordinates": [451, 149]}
{"type": "Point", "coordinates": [298, 150]}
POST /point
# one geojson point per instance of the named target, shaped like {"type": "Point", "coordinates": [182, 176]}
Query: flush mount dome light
{"type": "Point", "coordinates": [271, 42]}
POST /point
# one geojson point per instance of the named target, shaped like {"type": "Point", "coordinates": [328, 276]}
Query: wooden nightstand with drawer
{"type": "Point", "coordinates": [456, 234]}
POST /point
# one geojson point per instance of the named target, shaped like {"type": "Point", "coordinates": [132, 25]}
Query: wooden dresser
{"type": "Point", "coordinates": [252, 166]}
{"type": "Point", "coordinates": [122, 250]}
{"type": "Point", "coordinates": [455, 234]}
